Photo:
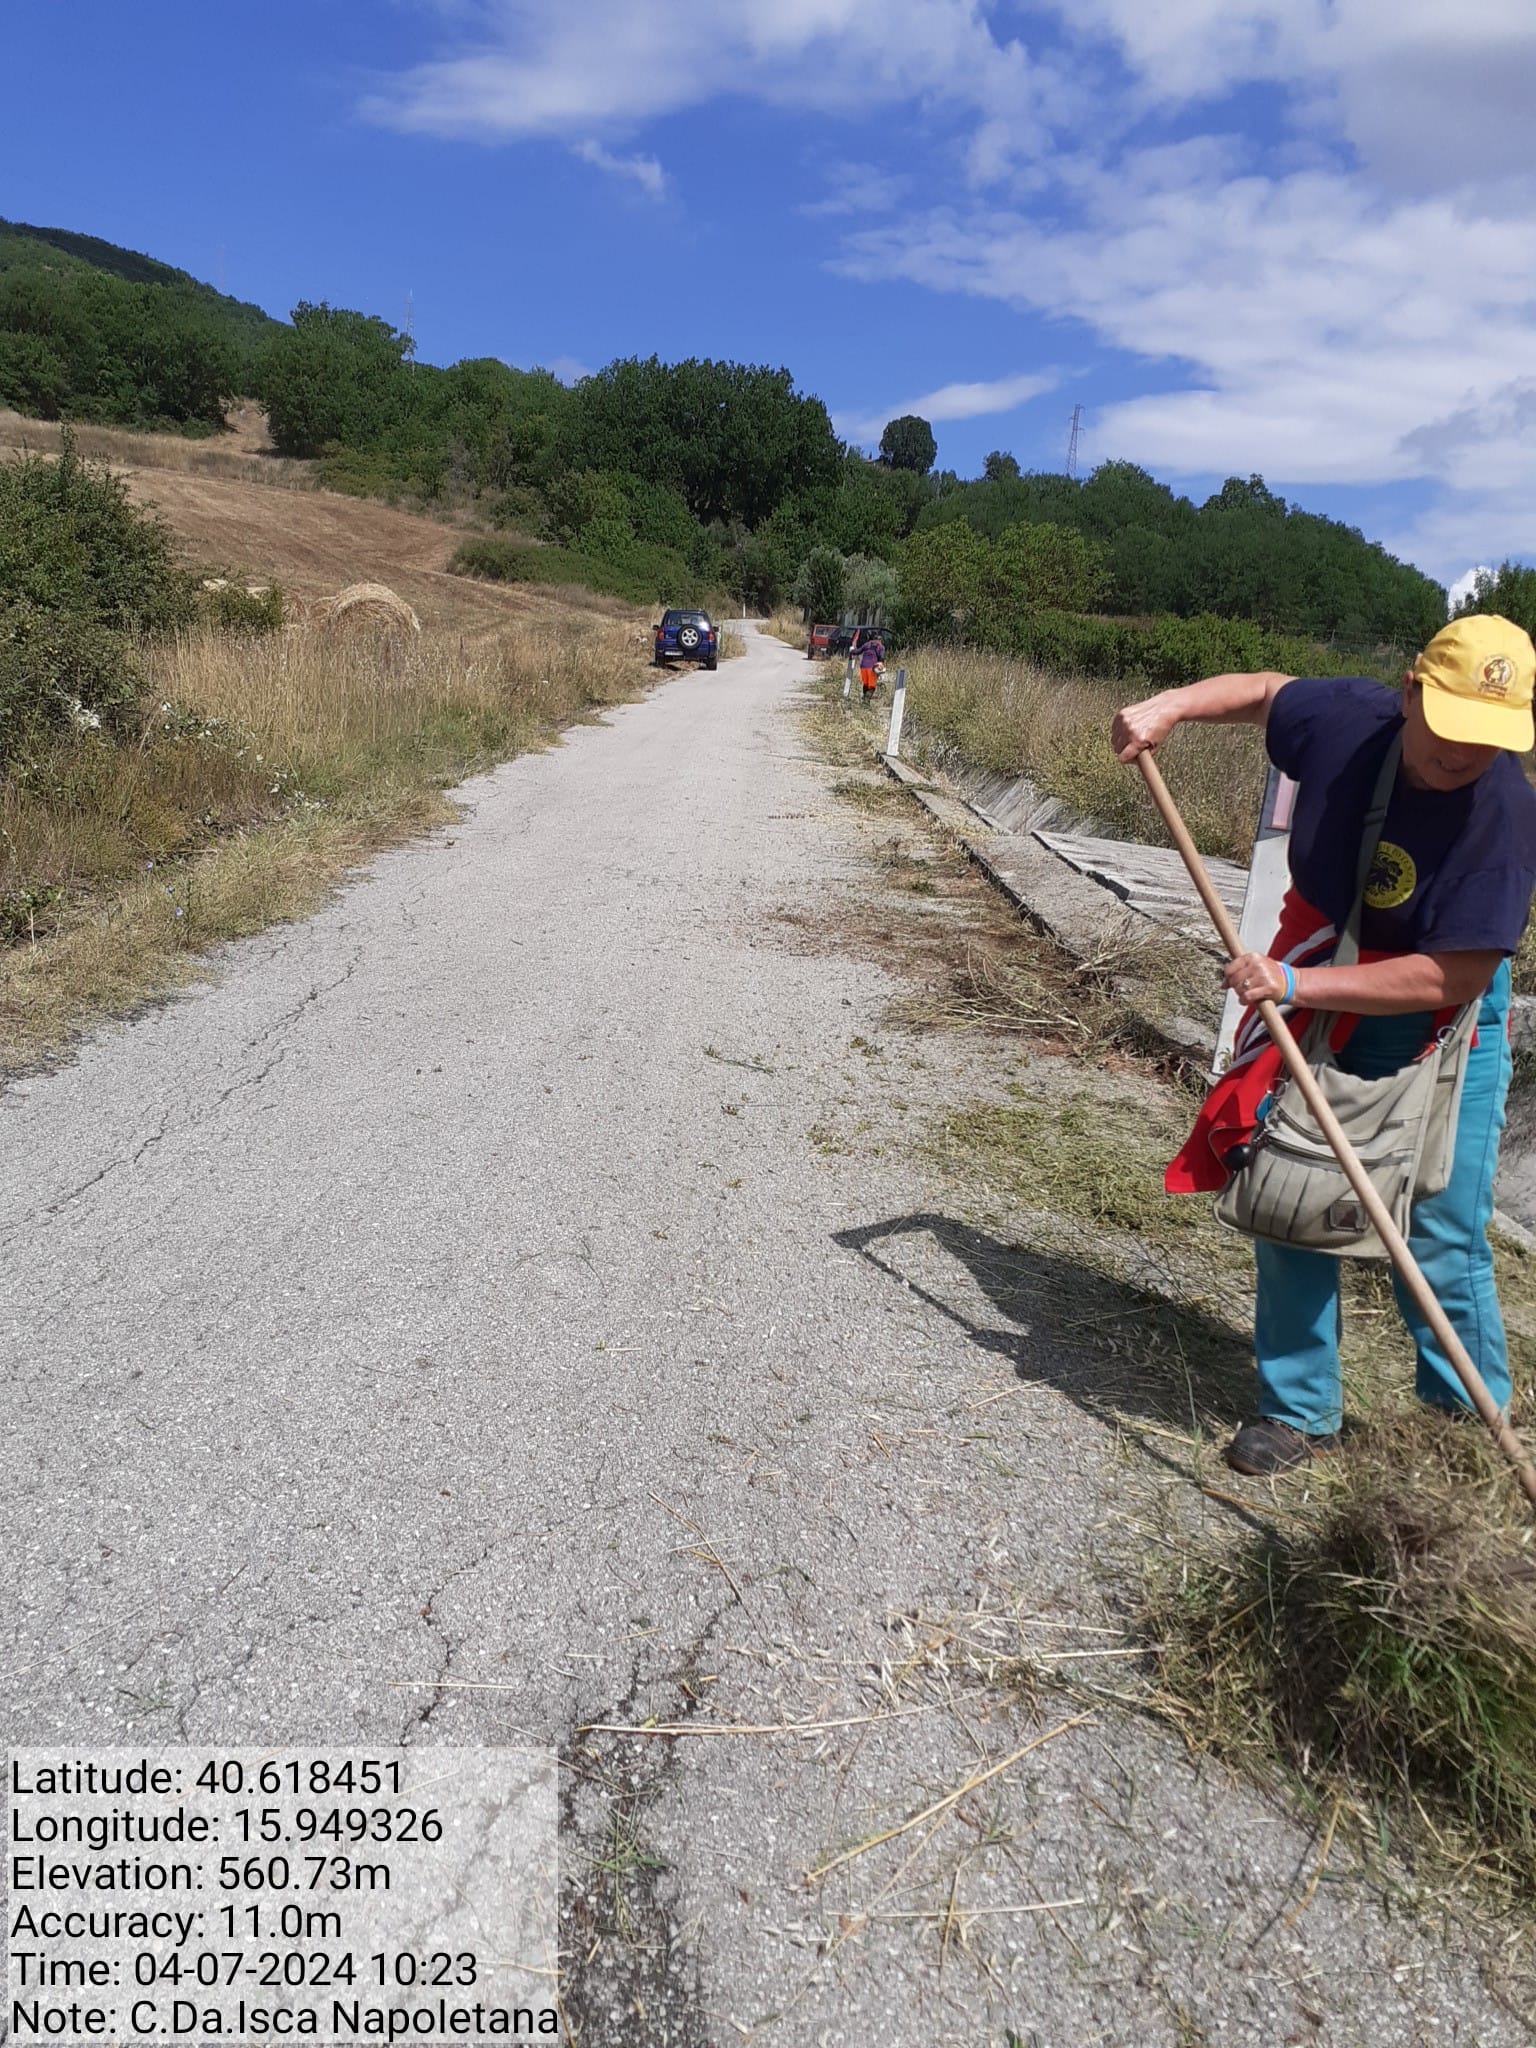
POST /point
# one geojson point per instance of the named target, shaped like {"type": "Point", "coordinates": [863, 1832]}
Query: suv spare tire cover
{"type": "Point", "coordinates": [688, 635]}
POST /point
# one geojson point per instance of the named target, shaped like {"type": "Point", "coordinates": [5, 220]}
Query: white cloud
{"type": "Point", "coordinates": [644, 170]}
{"type": "Point", "coordinates": [1465, 584]}
{"type": "Point", "coordinates": [951, 402]}
{"type": "Point", "coordinates": [858, 188]}
{"type": "Point", "coordinates": [568, 369]}
{"type": "Point", "coordinates": [1432, 97]}
{"type": "Point", "coordinates": [1338, 290]}
{"type": "Point", "coordinates": [551, 68]}
{"type": "Point", "coordinates": [1310, 326]}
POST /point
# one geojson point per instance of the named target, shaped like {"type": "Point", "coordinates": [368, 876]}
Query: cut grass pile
{"type": "Point", "coordinates": [1382, 1642]}
{"type": "Point", "coordinates": [262, 769]}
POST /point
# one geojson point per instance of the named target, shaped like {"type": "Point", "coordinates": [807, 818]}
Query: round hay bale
{"type": "Point", "coordinates": [365, 604]}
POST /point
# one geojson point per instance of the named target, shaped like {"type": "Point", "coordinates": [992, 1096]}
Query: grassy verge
{"type": "Point", "coordinates": [1367, 1635]}
{"type": "Point", "coordinates": [986, 711]}
{"type": "Point", "coordinates": [787, 626]}
{"type": "Point", "coordinates": [261, 770]}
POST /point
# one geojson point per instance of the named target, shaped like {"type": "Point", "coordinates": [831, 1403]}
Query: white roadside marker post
{"type": "Point", "coordinates": [848, 679]}
{"type": "Point", "coordinates": [898, 710]}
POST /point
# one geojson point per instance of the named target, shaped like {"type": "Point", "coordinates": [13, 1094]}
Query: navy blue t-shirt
{"type": "Point", "coordinates": [1455, 869]}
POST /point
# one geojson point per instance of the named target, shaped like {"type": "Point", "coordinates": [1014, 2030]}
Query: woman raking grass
{"type": "Point", "coordinates": [1444, 907]}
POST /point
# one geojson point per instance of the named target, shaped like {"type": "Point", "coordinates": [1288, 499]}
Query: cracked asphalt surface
{"type": "Point", "coordinates": [505, 1302]}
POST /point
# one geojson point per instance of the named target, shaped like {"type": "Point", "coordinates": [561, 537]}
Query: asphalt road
{"type": "Point", "coordinates": [505, 1302]}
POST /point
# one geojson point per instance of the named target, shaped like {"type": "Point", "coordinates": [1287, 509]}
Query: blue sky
{"type": "Point", "coordinates": [1291, 236]}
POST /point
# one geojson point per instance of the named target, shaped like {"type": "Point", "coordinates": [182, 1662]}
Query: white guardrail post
{"type": "Point", "coordinates": [848, 679]}
{"type": "Point", "coordinates": [898, 709]}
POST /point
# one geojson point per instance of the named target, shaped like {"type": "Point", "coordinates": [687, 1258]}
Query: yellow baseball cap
{"type": "Point", "coordinates": [1477, 675]}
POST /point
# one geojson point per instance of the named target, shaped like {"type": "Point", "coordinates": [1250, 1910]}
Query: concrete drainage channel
{"type": "Point", "coordinates": [1069, 884]}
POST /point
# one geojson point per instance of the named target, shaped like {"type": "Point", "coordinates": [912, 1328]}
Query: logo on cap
{"type": "Point", "coordinates": [1497, 676]}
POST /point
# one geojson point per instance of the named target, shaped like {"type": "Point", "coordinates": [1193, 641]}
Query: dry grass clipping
{"type": "Point", "coordinates": [1382, 1641]}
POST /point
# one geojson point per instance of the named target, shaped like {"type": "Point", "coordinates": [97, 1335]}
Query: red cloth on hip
{"type": "Point", "coordinates": [1230, 1114]}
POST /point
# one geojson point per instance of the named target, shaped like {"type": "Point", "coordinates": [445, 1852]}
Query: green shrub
{"type": "Point", "coordinates": [71, 540]}
{"type": "Point", "coordinates": [359, 473]}
{"type": "Point", "coordinates": [234, 609]}
{"type": "Point", "coordinates": [818, 585]}
{"type": "Point", "coordinates": [642, 575]}
{"type": "Point", "coordinates": [1162, 652]}
{"type": "Point", "coordinates": [58, 674]}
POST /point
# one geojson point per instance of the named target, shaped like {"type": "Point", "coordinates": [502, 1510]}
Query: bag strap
{"type": "Point", "coordinates": [1347, 952]}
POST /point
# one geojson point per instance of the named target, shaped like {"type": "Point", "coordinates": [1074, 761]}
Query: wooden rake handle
{"type": "Point", "coordinates": [1504, 1436]}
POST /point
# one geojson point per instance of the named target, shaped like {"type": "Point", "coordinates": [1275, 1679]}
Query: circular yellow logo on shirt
{"type": "Point", "coordinates": [1393, 877]}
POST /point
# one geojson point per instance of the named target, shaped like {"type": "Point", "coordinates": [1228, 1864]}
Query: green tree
{"type": "Point", "coordinates": [819, 585]}
{"type": "Point", "coordinates": [734, 439]}
{"type": "Point", "coordinates": [1508, 591]}
{"type": "Point", "coordinates": [1000, 467]}
{"type": "Point", "coordinates": [871, 589]}
{"type": "Point", "coordinates": [335, 376]}
{"type": "Point", "coordinates": [943, 573]}
{"type": "Point", "coordinates": [908, 443]}
{"type": "Point", "coordinates": [1044, 564]}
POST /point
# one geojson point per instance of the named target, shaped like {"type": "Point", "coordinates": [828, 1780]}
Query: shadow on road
{"type": "Point", "coordinates": [1118, 1351]}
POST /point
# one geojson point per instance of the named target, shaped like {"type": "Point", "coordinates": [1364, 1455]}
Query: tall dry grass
{"type": "Point", "coordinates": [261, 770]}
{"type": "Point", "coordinates": [787, 625]}
{"type": "Point", "coordinates": [237, 457]}
{"type": "Point", "coordinates": [969, 709]}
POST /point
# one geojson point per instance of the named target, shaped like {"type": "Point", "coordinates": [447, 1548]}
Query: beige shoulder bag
{"type": "Point", "coordinates": [1289, 1187]}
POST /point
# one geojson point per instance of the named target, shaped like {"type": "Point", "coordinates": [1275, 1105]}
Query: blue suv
{"type": "Point", "coordinates": [686, 636]}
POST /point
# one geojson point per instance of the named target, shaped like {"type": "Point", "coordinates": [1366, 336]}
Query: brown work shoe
{"type": "Point", "coordinates": [1264, 1448]}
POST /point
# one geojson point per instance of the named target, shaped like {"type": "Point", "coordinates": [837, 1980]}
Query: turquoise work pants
{"type": "Point", "coordinates": [1297, 1319]}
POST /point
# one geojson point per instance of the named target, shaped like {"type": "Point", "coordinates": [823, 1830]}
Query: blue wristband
{"type": "Point", "coordinates": [1290, 981]}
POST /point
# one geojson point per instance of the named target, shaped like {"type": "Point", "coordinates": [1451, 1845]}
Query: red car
{"type": "Point", "coordinates": [827, 642]}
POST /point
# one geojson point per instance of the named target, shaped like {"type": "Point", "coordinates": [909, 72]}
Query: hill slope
{"type": "Point", "coordinates": [92, 331]}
